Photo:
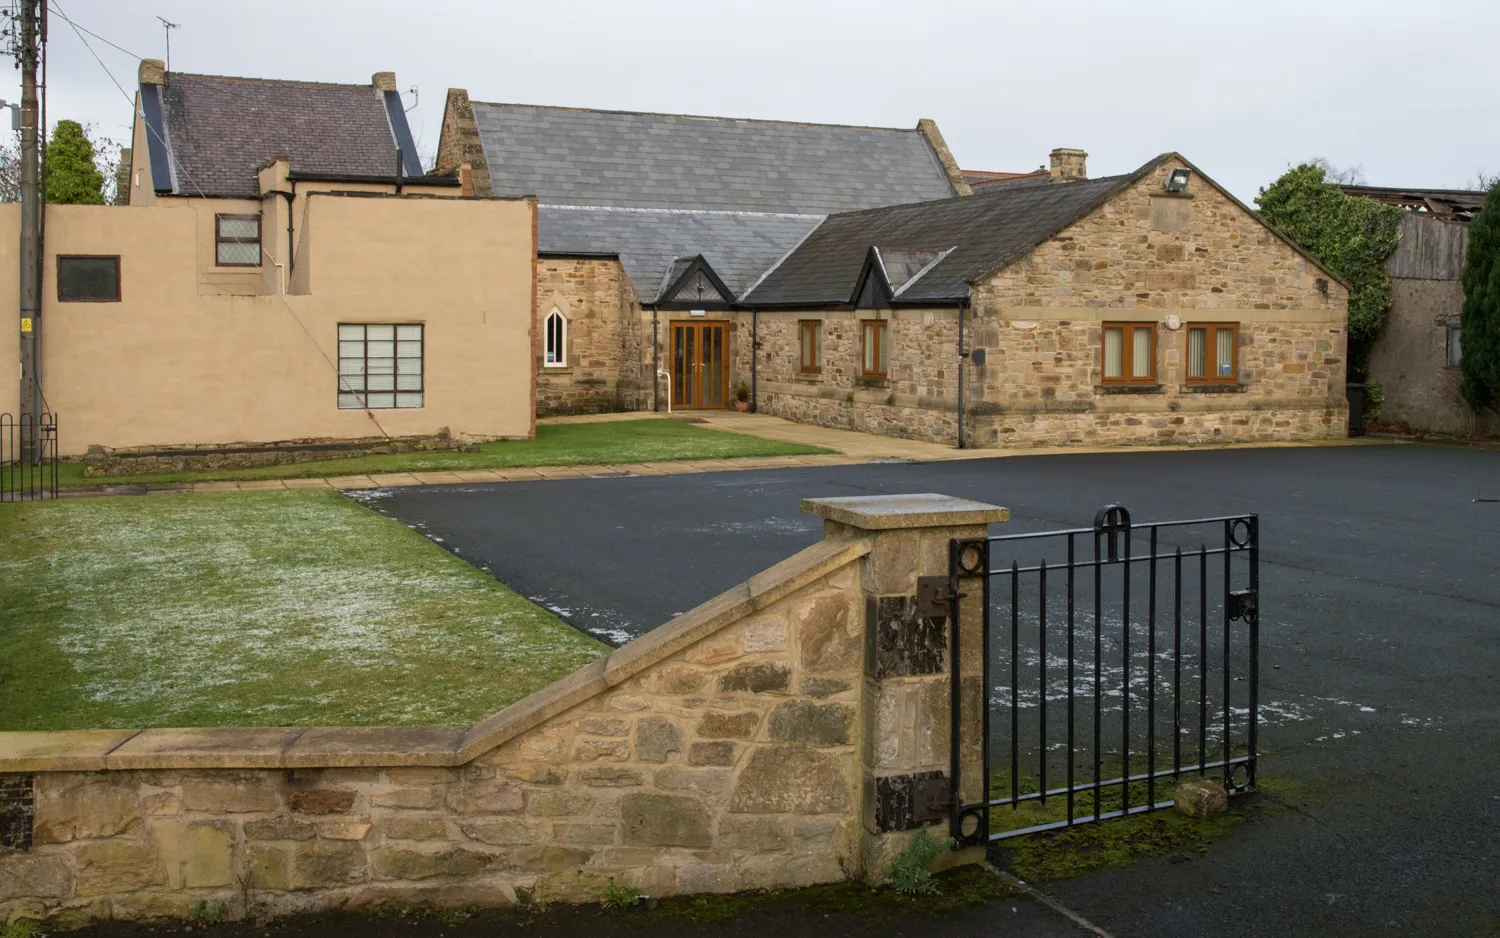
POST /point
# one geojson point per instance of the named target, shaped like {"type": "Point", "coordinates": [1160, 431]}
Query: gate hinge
{"type": "Point", "coordinates": [934, 601]}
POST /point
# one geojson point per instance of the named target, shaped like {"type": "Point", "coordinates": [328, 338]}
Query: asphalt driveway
{"type": "Point", "coordinates": [1380, 646]}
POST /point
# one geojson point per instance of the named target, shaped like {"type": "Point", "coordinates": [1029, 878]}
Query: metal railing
{"type": "Point", "coordinates": [28, 457]}
{"type": "Point", "coordinates": [1108, 696]}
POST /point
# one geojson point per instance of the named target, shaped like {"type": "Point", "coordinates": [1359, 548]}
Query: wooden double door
{"type": "Point", "coordinates": [700, 365]}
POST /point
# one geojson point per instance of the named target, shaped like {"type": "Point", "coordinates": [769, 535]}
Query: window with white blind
{"type": "Point", "coordinates": [1455, 347]}
{"type": "Point", "coordinates": [1129, 353]}
{"type": "Point", "coordinates": [1213, 353]}
{"type": "Point", "coordinates": [555, 344]}
{"type": "Point", "coordinates": [237, 240]}
{"type": "Point", "coordinates": [380, 366]}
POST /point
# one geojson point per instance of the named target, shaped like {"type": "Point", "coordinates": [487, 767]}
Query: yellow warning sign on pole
{"type": "Point", "coordinates": [25, 325]}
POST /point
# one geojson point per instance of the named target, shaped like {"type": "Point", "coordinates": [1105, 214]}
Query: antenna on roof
{"type": "Point", "coordinates": [169, 27]}
{"type": "Point", "coordinates": [415, 98]}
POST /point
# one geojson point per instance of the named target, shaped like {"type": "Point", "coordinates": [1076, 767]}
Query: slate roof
{"type": "Point", "coordinates": [221, 130]}
{"type": "Point", "coordinates": [623, 159]}
{"type": "Point", "coordinates": [740, 246]}
{"type": "Point", "coordinates": [983, 231]}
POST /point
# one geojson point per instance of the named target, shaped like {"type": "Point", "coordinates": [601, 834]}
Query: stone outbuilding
{"type": "Point", "coordinates": [1416, 357]}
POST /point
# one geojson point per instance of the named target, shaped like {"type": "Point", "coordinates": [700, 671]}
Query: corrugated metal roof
{"type": "Point", "coordinates": [614, 158]}
{"type": "Point", "coordinates": [739, 246]}
{"type": "Point", "coordinates": [222, 129]}
{"type": "Point", "coordinates": [984, 231]}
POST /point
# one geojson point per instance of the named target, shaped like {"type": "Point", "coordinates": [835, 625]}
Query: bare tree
{"type": "Point", "coordinates": [1348, 176]}
{"type": "Point", "coordinates": [1485, 181]}
{"type": "Point", "coordinates": [10, 171]}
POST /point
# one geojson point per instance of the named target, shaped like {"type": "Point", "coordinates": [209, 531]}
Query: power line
{"type": "Point", "coordinates": [281, 299]}
{"type": "Point", "coordinates": [91, 32]}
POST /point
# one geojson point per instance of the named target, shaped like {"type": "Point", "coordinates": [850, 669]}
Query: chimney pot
{"type": "Point", "coordinates": [1068, 165]}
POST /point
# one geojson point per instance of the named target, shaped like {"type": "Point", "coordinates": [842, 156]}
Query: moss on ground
{"type": "Point", "coordinates": [1116, 842]}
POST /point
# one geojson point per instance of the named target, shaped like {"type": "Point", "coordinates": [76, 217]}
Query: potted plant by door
{"type": "Point", "coordinates": [742, 397]}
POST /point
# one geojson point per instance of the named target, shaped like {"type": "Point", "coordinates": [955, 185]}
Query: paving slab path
{"type": "Point", "coordinates": [1380, 630]}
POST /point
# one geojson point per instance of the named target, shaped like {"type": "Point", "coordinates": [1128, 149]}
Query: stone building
{"type": "Point", "coordinates": [856, 278]}
{"type": "Point", "coordinates": [1416, 357]}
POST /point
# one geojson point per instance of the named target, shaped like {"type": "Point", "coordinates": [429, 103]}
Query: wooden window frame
{"type": "Point", "coordinates": [810, 328]}
{"type": "Point", "coordinates": [364, 394]}
{"type": "Point", "coordinates": [260, 251]}
{"type": "Point", "coordinates": [119, 294]}
{"type": "Point", "coordinates": [1210, 352]}
{"type": "Point", "coordinates": [882, 349]}
{"type": "Point", "coordinates": [562, 359]}
{"type": "Point", "coordinates": [1127, 354]}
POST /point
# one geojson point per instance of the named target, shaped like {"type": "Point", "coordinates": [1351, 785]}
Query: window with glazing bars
{"type": "Point", "coordinates": [1213, 353]}
{"type": "Point", "coordinates": [1129, 353]}
{"type": "Point", "coordinates": [237, 240]}
{"type": "Point", "coordinates": [380, 365]}
{"type": "Point", "coordinates": [811, 341]}
{"type": "Point", "coordinates": [875, 356]}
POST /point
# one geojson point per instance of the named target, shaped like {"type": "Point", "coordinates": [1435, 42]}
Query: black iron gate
{"type": "Point", "coordinates": [1112, 667]}
{"type": "Point", "coordinates": [28, 457]}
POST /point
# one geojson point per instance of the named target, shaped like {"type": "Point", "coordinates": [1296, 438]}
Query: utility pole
{"type": "Point", "coordinates": [28, 54]}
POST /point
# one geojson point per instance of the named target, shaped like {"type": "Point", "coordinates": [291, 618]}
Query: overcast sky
{"type": "Point", "coordinates": [1408, 91]}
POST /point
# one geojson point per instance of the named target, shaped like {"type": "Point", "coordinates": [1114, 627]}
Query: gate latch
{"type": "Point", "coordinates": [1244, 604]}
{"type": "Point", "coordinates": [931, 799]}
{"type": "Point", "coordinates": [933, 599]}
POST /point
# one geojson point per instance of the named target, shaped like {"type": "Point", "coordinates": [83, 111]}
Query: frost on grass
{"type": "Point", "coordinates": [277, 608]}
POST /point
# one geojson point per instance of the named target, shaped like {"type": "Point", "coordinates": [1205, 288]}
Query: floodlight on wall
{"type": "Point", "coordinates": [1178, 180]}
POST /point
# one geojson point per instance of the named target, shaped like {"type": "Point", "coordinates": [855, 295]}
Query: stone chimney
{"type": "Point", "coordinates": [384, 81]}
{"type": "Point", "coordinates": [122, 178]}
{"type": "Point", "coordinates": [153, 72]}
{"type": "Point", "coordinates": [465, 179]}
{"type": "Point", "coordinates": [1068, 165]}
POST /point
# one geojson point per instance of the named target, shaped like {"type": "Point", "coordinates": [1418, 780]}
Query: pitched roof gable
{"type": "Point", "coordinates": [639, 160]}
{"type": "Point", "coordinates": [217, 131]}
{"type": "Point", "coordinates": [979, 236]}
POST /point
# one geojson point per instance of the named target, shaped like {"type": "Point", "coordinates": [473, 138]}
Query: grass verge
{"type": "Point", "coordinates": [577, 444]}
{"type": "Point", "coordinates": [261, 609]}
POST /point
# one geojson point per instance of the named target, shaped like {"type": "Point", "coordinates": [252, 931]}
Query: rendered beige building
{"type": "Point", "coordinates": [260, 289]}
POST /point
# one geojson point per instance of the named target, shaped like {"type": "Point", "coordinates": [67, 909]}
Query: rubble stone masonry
{"type": "Point", "coordinates": [603, 331]}
{"type": "Point", "coordinates": [738, 747]}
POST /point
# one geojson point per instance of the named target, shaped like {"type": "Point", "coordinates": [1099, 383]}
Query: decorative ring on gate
{"type": "Point", "coordinates": [973, 826]}
{"type": "Point", "coordinates": [1239, 532]}
{"type": "Point", "coordinates": [972, 557]}
{"type": "Point", "coordinates": [1237, 778]}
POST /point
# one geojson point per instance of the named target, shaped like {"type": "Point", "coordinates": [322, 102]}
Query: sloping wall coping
{"type": "Point", "coordinates": [399, 746]}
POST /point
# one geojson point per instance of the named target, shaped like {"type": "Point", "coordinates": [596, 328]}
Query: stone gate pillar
{"type": "Point", "coordinates": [906, 726]}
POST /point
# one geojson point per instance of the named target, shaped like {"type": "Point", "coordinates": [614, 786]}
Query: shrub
{"type": "Point", "coordinates": [909, 873]}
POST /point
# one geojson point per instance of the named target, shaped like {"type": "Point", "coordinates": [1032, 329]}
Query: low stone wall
{"type": "Point", "coordinates": [769, 738]}
{"type": "Point", "coordinates": [102, 461]}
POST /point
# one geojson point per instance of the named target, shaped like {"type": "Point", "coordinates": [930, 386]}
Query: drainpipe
{"type": "Point", "coordinates": [961, 355]}
{"type": "Point", "coordinates": [291, 247]}
{"type": "Point", "coordinates": [655, 367]}
{"type": "Point", "coordinates": [754, 358]}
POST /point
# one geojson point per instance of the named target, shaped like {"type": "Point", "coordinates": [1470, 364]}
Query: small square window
{"type": "Point", "coordinates": [1129, 353]}
{"type": "Point", "coordinates": [810, 332]}
{"type": "Point", "coordinates": [1455, 346]}
{"type": "Point", "coordinates": [237, 240]}
{"type": "Point", "coordinates": [88, 278]}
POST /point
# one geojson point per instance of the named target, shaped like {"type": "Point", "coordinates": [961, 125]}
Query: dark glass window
{"type": "Point", "coordinates": [88, 279]}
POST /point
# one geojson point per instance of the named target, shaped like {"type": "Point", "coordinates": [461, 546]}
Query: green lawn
{"type": "Point", "coordinates": [575, 444]}
{"type": "Point", "coordinates": [255, 609]}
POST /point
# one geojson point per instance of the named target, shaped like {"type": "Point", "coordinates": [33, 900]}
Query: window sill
{"type": "Point", "coordinates": [865, 382]}
{"type": "Point", "coordinates": [1226, 388]}
{"type": "Point", "coordinates": [808, 377]}
{"type": "Point", "coordinates": [1129, 389]}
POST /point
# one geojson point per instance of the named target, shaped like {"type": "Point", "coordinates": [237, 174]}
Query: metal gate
{"type": "Point", "coordinates": [1116, 659]}
{"type": "Point", "coordinates": [28, 457]}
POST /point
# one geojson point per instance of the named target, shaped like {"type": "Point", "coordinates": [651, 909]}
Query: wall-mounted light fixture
{"type": "Point", "coordinates": [1322, 286]}
{"type": "Point", "coordinates": [1178, 179]}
